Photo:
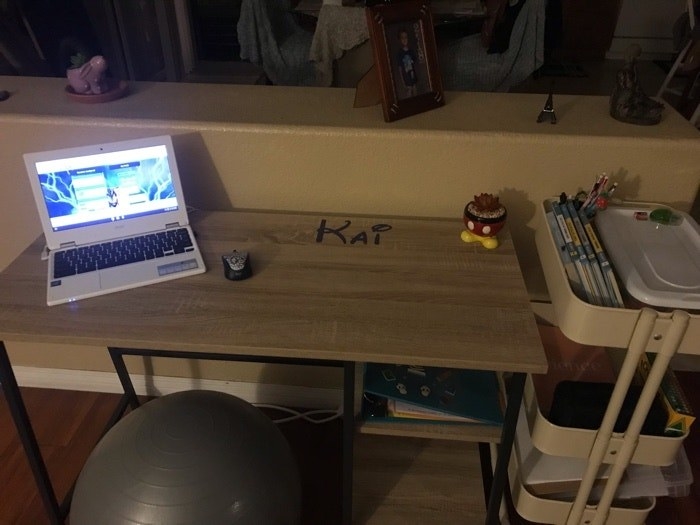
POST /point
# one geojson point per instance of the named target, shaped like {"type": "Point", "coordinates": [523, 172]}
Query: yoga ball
{"type": "Point", "coordinates": [195, 457]}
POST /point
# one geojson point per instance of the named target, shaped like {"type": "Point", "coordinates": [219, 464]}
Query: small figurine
{"type": "Point", "coordinates": [548, 110]}
{"type": "Point", "coordinates": [88, 76]}
{"type": "Point", "coordinates": [484, 217]}
{"type": "Point", "coordinates": [628, 102]}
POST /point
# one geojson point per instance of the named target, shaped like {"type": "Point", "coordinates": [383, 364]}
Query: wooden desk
{"type": "Point", "coordinates": [335, 288]}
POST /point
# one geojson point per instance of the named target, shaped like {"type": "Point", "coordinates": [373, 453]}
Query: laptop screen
{"type": "Point", "coordinates": [107, 187]}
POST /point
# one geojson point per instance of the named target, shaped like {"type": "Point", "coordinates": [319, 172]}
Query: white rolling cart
{"type": "Point", "coordinates": [664, 333]}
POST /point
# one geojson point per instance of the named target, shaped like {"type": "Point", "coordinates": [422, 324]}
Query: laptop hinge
{"type": "Point", "coordinates": [172, 225]}
{"type": "Point", "coordinates": [70, 244]}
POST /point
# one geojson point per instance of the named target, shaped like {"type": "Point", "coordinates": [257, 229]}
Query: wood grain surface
{"type": "Point", "coordinates": [364, 289]}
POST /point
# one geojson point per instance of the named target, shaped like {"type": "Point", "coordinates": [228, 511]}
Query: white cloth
{"type": "Point", "coordinates": [338, 30]}
{"type": "Point", "coordinates": [466, 65]}
{"type": "Point", "coordinates": [270, 37]}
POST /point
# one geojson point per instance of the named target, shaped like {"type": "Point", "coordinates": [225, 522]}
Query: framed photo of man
{"type": "Point", "coordinates": [405, 57]}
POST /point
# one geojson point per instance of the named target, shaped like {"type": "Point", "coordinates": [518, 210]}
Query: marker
{"type": "Point", "coordinates": [594, 191]}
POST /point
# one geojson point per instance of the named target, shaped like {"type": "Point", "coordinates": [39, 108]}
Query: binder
{"type": "Point", "coordinates": [605, 266]}
{"type": "Point", "coordinates": [578, 256]}
{"type": "Point", "coordinates": [566, 257]}
{"type": "Point", "coordinates": [596, 271]}
{"type": "Point", "coordinates": [472, 394]}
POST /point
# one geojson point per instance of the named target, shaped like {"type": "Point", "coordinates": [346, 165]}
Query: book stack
{"type": "Point", "coordinates": [409, 393]}
{"type": "Point", "coordinates": [585, 260]}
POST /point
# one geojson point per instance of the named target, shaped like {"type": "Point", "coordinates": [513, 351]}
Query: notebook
{"type": "Point", "coordinates": [114, 217]}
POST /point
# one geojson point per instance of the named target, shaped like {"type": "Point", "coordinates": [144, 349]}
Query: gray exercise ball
{"type": "Point", "coordinates": [195, 457]}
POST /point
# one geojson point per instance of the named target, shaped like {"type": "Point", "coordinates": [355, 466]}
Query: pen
{"type": "Point", "coordinates": [593, 192]}
{"type": "Point", "coordinates": [599, 192]}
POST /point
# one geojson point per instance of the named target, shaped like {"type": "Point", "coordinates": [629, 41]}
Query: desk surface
{"type": "Point", "coordinates": [419, 296]}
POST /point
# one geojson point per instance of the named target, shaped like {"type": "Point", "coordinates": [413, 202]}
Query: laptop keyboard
{"type": "Point", "coordinates": [122, 251]}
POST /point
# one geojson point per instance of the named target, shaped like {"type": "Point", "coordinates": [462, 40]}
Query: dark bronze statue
{"type": "Point", "coordinates": [628, 102]}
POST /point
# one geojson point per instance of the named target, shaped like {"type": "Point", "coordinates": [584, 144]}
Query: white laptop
{"type": "Point", "coordinates": [114, 217]}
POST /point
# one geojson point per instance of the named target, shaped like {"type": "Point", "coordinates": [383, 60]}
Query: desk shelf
{"type": "Point", "coordinates": [637, 330]}
{"type": "Point", "coordinates": [416, 428]}
{"type": "Point", "coordinates": [448, 431]}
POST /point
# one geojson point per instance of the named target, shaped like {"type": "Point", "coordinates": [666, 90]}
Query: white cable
{"type": "Point", "coordinates": [306, 416]}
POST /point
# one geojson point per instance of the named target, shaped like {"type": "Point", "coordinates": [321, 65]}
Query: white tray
{"type": "Point", "coordinates": [597, 325]}
{"type": "Point", "coordinates": [658, 264]}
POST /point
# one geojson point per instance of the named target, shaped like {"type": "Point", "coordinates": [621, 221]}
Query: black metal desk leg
{"type": "Point", "coordinates": [515, 388]}
{"type": "Point", "coordinates": [27, 437]}
{"type": "Point", "coordinates": [486, 469]}
{"type": "Point", "coordinates": [123, 374]}
{"type": "Point", "coordinates": [348, 437]}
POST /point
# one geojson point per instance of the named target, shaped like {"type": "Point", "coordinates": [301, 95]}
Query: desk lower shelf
{"type": "Point", "coordinates": [405, 481]}
{"type": "Point", "coordinates": [443, 431]}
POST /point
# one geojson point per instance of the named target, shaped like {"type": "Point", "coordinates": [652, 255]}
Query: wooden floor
{"type": "Point", "coordinates": [68, 424]}
{"type": "Point", "coordinates": [397, 481]}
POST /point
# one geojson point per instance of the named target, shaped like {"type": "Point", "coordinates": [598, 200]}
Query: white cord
{"type": "Point", "coordinates": [306, 416]}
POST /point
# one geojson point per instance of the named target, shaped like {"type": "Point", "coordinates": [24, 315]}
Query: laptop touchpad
{"type": "Point", "coordinates": [127, 275]}
{"type": "Point", "coordinates": [73, 286]}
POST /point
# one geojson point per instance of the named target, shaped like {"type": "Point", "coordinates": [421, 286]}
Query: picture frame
{"type": "Point", "coordinates": [405, 58]}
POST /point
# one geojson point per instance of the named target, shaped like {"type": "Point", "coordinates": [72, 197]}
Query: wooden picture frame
{"type": "Point", "coordinates": [405, 58]}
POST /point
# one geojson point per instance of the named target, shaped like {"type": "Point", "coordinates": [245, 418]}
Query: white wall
{"type": "Point", "coordinates": [648, 23]}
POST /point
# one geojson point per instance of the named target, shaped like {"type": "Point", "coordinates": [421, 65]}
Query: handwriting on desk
{"type": "Point", "coordinates": [343, 235]}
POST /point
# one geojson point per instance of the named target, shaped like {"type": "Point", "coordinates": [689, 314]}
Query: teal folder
{"type": "Point", "coordinates": [472, 394]}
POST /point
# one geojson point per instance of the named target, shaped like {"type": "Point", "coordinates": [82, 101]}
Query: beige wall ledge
{"type": "Point", "coordinates": [308, 149]}
{"type": "Point", "coordinates": [221, 104]}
